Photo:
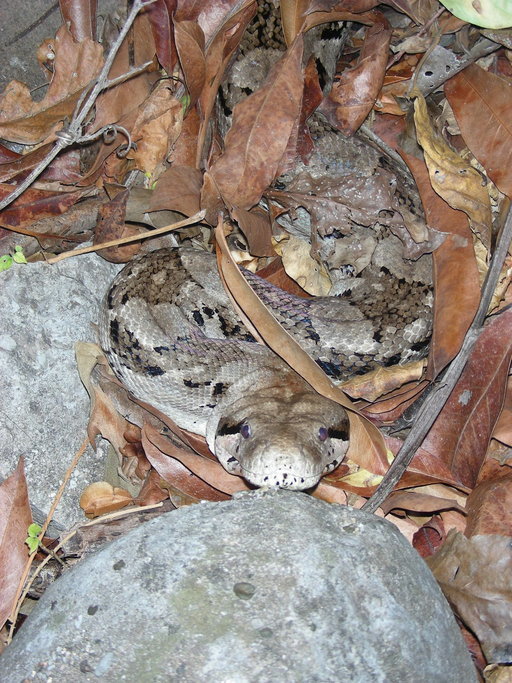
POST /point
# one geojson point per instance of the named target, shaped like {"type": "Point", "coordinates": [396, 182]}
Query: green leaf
{"type": "Point", "coordinates": [487, 13]}
{"type": "Point", "coordinates": [19, 256]}
{"type": "Point", "coordinates": [34, 530]}
{"type": "Point", "coordinates": [32, 543]}
{"type": "Point", "coordinates": [5, 262]}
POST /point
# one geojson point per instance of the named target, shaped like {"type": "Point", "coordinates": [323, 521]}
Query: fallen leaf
{"type": "Point", "coordinates": [222, 41]}
{"type": "Point", "coordinates": [475, 575]}
{"type": "Point", "coordinates": [256, 227]}
{"type": "Point", "coordinates": [156, 128]}
{"type": "Point", "coordinates": [489, 508]}
{"type": "Point", "coordinates": [190, 43]}
{"type": "Point", "coordinates": [111, 225]}
{"type": "Point", "coordinates": [258, 137]}
{"type": "Point", "coordinates": [116, 103]}
{"type": "Point", "coordinates": [457, 288]}
{"type": "Point", "coordinates": [481, 102]}
{"type": "Point", "coordinates": [355, 90]}
{"type": "Point", "coordinates": [160, 15]}
{"type": "Point", "coordinates": [34, 205]}
{"type": "Point", "coordinates": [29, 122]}
{"type": "Point", "coordinates": [101, 497]}
{"type": "Point", "coordinates": [211, 472]}
{"type": "Point", "coordinates": [15, 518]}
{"type": "Point", "coordinates": [456, 181]}
{"type": "Point", "coordinates": [461, 433]}
{"type": "Point", "coordinates": [177, 189]}
{"type": "Point", "coordinates": [301, 267]}
{"type": "Point", "coordinates": [167, 459]}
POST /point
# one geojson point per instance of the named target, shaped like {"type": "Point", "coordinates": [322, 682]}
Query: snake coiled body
{"type": "Point", "coordinates": [173, 339]}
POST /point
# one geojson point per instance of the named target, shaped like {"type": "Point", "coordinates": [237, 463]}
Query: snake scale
{"type": "Point", "coordinates": [171, 336]}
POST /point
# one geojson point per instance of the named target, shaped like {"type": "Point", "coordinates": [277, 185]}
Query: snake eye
{"type": "Point", "coordinates": [323, 433]}
{"type": "Point", "coordinates": [245, 430]}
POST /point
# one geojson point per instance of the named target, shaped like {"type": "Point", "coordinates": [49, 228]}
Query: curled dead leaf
{"type": "Point", "coordinates": [475, 574]}
{"type": "Point", "coordinates": [101, 497]}
{"type": "Point", "coordinates": [29, 122]}
{"type": "Point", "coordinates": [455, 180]}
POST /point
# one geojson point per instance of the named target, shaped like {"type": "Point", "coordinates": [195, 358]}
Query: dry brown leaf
{"type": "Point", "coordinates": [15, 518]}
{"type": "Point", "coordinates": [503, 429]}
{"type": "Point", "coordinates": [276, 275]}
{"type": "Point", "coordinates": [425, 468]}
{"type": "Point", "coordinates": [301, 267]}
{"type": "Point", "coordinates": [209, 471]}
{"type": "Point", "coordinates": [104, 419]}
{"type": "Point", "coordinates": [184, 151]}
{"type": "Point", "coordinates": [101, 497]}
{"type": "Point", "coordinates": [461, 433]}
{"type": "Point", "coordinates": [190, 44]}
{"type": "Point", "coordinates": [456, 181]}
{"type": "Point", "coordinates": [259, 135]}
{"type": "Point", "coordinates": [292, 18]}
{"type": "Point", "coordinates": [34, 205]}
{"type": "Point", "coordinates": [220, 48]}
{"type": "Point", "coordinates": [111, 226]}
{"type": "Point", "coordinates": [256, 227]}
{"type": "Point", "coordinates": [29, 122]}
{"type": "Point", "coordinates": [475, 574]}
{"type": "Point", "coordinates": [422, 500]}
{"type": "Point", "coordinates": [355, 90]}
{"type": "Point", "coordinates": [482, 102]}
{"type": "Point", "coordinates": [167, 459]}
{"type": "Point", "coordinates": [116, 103]}
{"type": "Point", "coordinates": [489, 508]}
{"type": "Point", "coordinates": [156, 128]}
{"type": "Point", "coordinates": [382, 381]}
{"type": "Point", "coordinates": [177, 189]}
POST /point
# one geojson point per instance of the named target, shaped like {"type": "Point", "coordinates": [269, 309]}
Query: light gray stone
{"type": "Point", "coordinates": [274, 586]}
{"type": "Point", "coordinates": [44, 407]}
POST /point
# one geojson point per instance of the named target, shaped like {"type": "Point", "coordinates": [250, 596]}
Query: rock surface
{"type": "Point", "coordinates": [46, 309]}
{"type": "Point", "coordinates": [272, 586]}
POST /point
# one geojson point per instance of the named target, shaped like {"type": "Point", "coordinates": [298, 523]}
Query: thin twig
{"type": "Point", "coordinates": [440, 394]}
{"type": "Point", "coordinates": [196, 218]}
{"type": "Point", "coordinates": [49, 517]}
{"type": "Point", "coordinates": [73, 131]}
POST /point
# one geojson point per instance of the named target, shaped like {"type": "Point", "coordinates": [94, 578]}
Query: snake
{"type": "Point", "coordinates": [173, 338]}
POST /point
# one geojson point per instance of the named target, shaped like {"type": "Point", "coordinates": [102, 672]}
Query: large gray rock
{"type": "Point", "coordinates": [272, 586]}
{"type": "Point", "coordinates": [44, 407]}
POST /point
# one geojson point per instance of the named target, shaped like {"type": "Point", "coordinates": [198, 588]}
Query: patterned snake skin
{"type": "Point", "coordinates": [171, 336]}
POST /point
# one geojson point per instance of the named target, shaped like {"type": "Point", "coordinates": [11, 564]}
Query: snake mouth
{"type": "Point", "coordinates": [276, 478]}
{"type": "Point", "coordinates": [282, 479]}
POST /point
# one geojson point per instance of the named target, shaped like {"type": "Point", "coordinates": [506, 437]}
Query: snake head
{"type": "Point", "coordinates": [282, 439]}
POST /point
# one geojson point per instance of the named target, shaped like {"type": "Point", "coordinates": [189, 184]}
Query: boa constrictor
{"type": "Point", "coordinates": [171, 336]}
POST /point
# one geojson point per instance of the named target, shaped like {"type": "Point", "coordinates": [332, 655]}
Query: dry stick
{"type": "Point", "coordinates": [436, 400]}
{"type": "Point", "coordinates": [56, 501]}
{"type": "Point", "coordinates": [72, 133]}
{"type": "Point", "coordinates": [196, 218]}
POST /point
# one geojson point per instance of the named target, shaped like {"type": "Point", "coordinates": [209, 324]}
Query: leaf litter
{"type": "Point", "coordinates": [452, 132]}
